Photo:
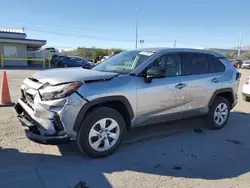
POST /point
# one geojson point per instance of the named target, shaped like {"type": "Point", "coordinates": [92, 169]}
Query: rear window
{"type": "Point", "coordinates": [194, 63]}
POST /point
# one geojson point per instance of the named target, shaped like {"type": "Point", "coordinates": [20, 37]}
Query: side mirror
{"type": "Point", "coordinates": [154, 73]}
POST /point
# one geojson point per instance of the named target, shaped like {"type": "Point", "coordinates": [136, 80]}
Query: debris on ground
{"type": "Point", "coordinates": [198, 131]}
{"type": "Point", "coordinates": [192, 155]}
{"type": "Point", "coordinates": [157, 166]}
{"type": "Point", "coordinates": [235, 142]}
{"type": "Point", "coordinates": [177, 167]}
{"type": "Point", "coordinates": [81, 184]}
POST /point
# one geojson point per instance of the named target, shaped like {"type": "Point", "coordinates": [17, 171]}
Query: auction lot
{"type": "Point", "coordinates": [183, 154]}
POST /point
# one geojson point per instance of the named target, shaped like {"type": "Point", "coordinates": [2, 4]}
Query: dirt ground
{"type": "Point", "coordinates": [183, 154]}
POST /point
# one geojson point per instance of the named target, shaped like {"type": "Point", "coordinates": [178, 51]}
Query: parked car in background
{"type": "Point", "coordinates": [246, 64]}
{"type": "Point", "coordinates": [236, 63]}
{"type": "Point", "coordinates": [50, 49]}
{"type": "Point", "coordinates": [74, 61]}
{"type": "Point", "coordinates": [105, 57]}
{"type": "Point", "coordinates": [133, 88]}
{"type": "Point", "coordinates": [246, 90]}
{"type": "Point", "coordinates": [55, 59]}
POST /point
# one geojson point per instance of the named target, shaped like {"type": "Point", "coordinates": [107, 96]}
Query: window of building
{"type": "Point", "coordinates": [10, 51]}
{"type": "Point", "coordinates": [194, 63]}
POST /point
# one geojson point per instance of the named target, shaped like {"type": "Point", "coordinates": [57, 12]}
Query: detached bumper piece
{"type": "Point", "coordinates": [36, 132]}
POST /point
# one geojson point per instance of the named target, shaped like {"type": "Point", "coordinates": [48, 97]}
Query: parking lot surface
{"type": "Point", "coordinates": [183, 154]}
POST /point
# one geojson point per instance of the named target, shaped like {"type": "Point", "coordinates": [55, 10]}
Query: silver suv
{"type": "Point", "coordinates": [134, 88]}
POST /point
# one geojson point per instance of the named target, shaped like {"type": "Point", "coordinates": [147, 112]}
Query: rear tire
{"type": "Point", "coordinates": [218, 114]}
{"type": "Point", "coordinates": [245, 98]}
{"type": "Point", "coordinates": [94, 137]}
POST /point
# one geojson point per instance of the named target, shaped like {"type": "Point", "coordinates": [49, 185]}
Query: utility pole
{"type": "Point", "coordinates": [174, 43]}
{"type": "Point", "coordinates": [240, 41]}
{"type": "Point", "coordinates": [136, 29]}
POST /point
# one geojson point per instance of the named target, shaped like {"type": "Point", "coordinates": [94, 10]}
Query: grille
{"type": "Point", "coordinates": [23, 97]}
{"type": "Point", "coordinates": [29, 98]}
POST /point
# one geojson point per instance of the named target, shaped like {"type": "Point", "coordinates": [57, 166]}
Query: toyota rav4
{"type": "Point", "coordinates": [133, 88]}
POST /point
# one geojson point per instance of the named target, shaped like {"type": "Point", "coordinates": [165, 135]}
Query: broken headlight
{"type": "Point", "coordinates": [49, 92]}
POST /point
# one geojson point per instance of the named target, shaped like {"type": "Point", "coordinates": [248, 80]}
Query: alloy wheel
{"type": "Point", "coordinates": [221, 114]}
{"type": "Point", "coordinates": [104, 134]}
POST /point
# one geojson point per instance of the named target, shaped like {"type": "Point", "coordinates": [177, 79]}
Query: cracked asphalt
{"type": "Point", "coordinates": [183, 154]}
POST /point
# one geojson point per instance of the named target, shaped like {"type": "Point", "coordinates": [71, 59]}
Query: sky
{"type": "Point", "coordinates": [111, 23]}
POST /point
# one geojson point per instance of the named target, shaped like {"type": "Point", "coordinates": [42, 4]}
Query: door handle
{"type": "Point", "coordinates": [180, 86]}
{"type": "Point", "coordinates": [215, 80]}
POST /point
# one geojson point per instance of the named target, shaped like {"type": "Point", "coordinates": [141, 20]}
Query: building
{"type": "Point", "coordinates": [15, 44]}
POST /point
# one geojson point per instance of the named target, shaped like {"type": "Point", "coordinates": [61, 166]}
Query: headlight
{"type": "Point", "coordinates": [49, 92]}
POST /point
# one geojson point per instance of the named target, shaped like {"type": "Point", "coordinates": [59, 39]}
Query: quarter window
{"type": "Point", "coordinates": [194, 63]}
{"type": "Point", "coordinates": [215, 65]}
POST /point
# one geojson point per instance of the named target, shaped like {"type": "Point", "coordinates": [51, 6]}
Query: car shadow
{"type": "Point", "coordinates": [191, 152]}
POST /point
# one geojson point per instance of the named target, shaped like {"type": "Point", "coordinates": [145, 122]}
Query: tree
{"type": "Point", "coordinates": [230, 55]}
{"type": "Point", "coordinates": [94, 52]}
{"type": "Point", "coordinates": [84, 52]}
{"type": "Point", "coordinates": [245, 55]}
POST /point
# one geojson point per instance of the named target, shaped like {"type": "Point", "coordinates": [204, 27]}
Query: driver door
{"type": "Point", "coordinates": [164, 98]}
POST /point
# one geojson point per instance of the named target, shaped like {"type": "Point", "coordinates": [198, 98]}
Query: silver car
{"type": "Point", "coordinates": [245, 64]}
{"type": "Point", "coordinates": [134, 88]}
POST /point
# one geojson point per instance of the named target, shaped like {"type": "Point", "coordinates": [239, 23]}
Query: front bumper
{"type": "Point", "coordinates": [34, 134]}
{"type": "Point", "coordinates": [246, 94]}
{"type": "Point", "coordinates": [50, 122]}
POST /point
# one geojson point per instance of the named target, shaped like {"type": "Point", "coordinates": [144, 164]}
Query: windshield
{"type": "Point", "coordinates": [247, 62]}
{"type": "Point", "coordinates": [123, 62]}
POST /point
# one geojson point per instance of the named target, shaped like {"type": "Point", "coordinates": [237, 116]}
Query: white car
{"type": "Point", "coordinates": [246, 64]}
{"type": "Point", "coordinates": [246, 90]}
{"type": "Point", "coordinates": [104, 58]}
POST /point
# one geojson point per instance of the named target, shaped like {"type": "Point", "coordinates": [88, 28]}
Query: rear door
{"type": "Point", "coordinates": [203, 74]}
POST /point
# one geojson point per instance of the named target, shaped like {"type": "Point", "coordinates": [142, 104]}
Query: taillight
{"type": "Point", "coordinates": [247, 81]}
{"type": "Point", "coordinates": [238, 76]}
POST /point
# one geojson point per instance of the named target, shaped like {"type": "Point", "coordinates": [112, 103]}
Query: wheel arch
{"type": "Point", "coordinates": [119, 103]}
{"type": "Point", "coordinates": [226, 93]}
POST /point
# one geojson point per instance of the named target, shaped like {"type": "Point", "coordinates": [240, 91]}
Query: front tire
{"type": "Point", "coordinates": [101, 132]}
{"type": "Point", "coordinates": [218, 114]}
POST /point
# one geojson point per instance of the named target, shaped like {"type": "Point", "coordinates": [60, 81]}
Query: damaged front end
{"type": "Point", "coordinates": [49, 118]}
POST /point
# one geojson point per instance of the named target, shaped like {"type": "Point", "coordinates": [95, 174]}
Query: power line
{"type": "Point", "coordinates": [108, 38]}
{"type": "Point", "coordinates": [79, 35]}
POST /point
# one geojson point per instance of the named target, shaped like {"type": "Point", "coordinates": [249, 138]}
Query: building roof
{"type": "Point", "coordinates": [7, 30]}
{"type": "Point", "coordinates": [28, 42]}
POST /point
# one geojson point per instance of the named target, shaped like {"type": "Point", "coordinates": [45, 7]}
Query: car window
{"type": "Point", "coordinates": [76, 58]}
{"type": "Point", "coordinates": [124, 62]}
{"type": "Point", "coordinates": [169, 62]}
{"type": "Point", "coordinates": [215, 65]}
{"type": "Point", "coordinates": [194, 63]}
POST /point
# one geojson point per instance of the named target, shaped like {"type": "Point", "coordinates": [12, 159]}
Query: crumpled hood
{"type": "Point", "coordinates": [61, 75]}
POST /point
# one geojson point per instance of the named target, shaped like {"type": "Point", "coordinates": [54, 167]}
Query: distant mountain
{"type": "Point", "coordinates": [244, 48]}
{"type": "Point", "coordinates": [234, 50]}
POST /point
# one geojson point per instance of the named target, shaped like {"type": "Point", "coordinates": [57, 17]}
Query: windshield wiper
{"type": "Point", "coordinates": [132, 74]}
